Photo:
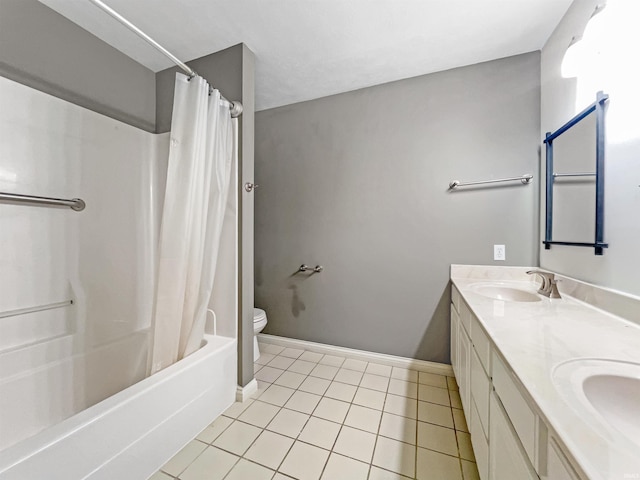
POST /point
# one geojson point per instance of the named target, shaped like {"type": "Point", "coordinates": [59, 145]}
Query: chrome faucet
{"type": "Point", "coordinates": [549, 286]}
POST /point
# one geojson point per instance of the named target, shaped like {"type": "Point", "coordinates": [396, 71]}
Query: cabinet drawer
{"type": "Point", "coordinates": [480, 391]}
{"type": "Point", "coordinates": [465, 317]}
{"type": "Point", "coordinates": [507, 459]}
{"type": "Point", "coordinates": [455, 298]}
{"type": "Point", "coordinates": [481, 343]}
{"type": "Point", "coordinates": [479, 443]}
{"type": "Point", "coordinates": [518, 410]}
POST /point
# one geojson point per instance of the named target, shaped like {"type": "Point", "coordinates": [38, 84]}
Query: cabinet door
{"type": "Point", "coordinates": [479, 443]}
{"type": "Point", "coordinates": [519, 411]}
{"type": "Point", "coordinates": [464, 367]}
{"type": "Point", "coordinates": [558, 467]}
{"type": "Point", "coordinates": [507, 458]}
{"type": "Point", "coordinates": [480, 390]}
{"type": "Point", "coordinates": [455, 321]}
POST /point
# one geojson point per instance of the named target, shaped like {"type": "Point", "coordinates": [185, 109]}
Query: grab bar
{"type": "Point", "coordinates": [525, 179]}
{"type": "Point", "coordinates": [76, 204]}
{"type": "Point", "coordinates": [39, 308]}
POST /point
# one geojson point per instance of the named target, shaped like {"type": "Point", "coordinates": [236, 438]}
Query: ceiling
{"type": "Point", "coordinates": [307, 49]}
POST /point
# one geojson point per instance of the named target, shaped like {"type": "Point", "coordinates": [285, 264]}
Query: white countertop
{"type": "Point", "coordinates": [535, 337]}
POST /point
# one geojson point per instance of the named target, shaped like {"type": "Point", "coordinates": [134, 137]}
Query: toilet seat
{"type": "Point", "coordinates": [259, 319]}
{"type": "Point", "coordinates": [259, 315]}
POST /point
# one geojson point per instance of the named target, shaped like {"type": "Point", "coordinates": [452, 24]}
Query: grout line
{"type": "Point", "coordinates": [231, 469]}
{"type": "Point", "coordinates": [189, 464]}
{"type": "Point", "coordinates": [457, 440]}
{"type": "Point", "coordinates": [358, 405]}
{"type": "Point", "coordinates": [386, 392]}
{"type": "Point", "coordinates": [377, 434]}
{"type": "Point", "coordinates": [350, 403]}
{"type": "Point", "coordinates": [415, 466]}
{"type": "Point", "coordinates": [375, 443]}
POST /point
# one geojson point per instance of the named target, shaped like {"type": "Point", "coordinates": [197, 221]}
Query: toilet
{"type": "Point", "coordinates": [259, 322]}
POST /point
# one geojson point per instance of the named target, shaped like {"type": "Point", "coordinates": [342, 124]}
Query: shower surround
{"type": "Point", "coordinates": [57, 366]}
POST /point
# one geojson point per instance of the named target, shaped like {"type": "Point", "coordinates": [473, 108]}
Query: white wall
{"type": "Point", "coordinates": [614, 71]}
{"type": "Point", "coordinates": [99, 257]}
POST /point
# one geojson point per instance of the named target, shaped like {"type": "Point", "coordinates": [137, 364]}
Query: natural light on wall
{"type": "Point", "coordinates": [606, 58]}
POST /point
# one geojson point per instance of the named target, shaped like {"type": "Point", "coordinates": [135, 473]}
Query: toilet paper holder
{"type": "Point", "coordinates": [306, 268]}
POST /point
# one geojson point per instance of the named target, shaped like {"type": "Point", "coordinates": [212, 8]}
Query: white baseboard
{"type": "Point", "coordinates": [381, 358]}
{"type": "Point", "coordinates": [243, 393]}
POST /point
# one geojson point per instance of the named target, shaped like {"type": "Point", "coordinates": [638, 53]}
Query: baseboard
{"type": "Point", "coordinates": [381, 358]}
{"type": "Point", "coordinates": [243, 393]}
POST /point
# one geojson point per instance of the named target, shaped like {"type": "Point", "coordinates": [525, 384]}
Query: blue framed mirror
{"type": "Point", "coordinates": [575, 180]}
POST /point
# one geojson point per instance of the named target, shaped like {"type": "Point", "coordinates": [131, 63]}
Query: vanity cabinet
{"type": "Point", "coordinates": [461, 351]}
{"type": "Point", "coordinates": [510, 440]}
{"type": "Point", "coordinates": [479, 391]}
{"type": "Point", "coordinates": [474, 389]}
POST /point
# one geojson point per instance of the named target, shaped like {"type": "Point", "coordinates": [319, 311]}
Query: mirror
{"type": "Point", "coordinates": [575, 181]}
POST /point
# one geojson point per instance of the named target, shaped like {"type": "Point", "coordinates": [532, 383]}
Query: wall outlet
{"type": "Point", "coordinates": [499, 252]}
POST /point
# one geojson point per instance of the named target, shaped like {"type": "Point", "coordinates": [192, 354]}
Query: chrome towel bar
{"type": "Point", "coordinates": [577, 174]}
{"type": "Point", "coordinates": [76, 204]}
{"type": "Point", "coordinates": [524, 179]}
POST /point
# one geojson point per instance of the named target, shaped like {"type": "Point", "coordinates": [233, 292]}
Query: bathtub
{"type": "Point", "coordinates": [128, 435]}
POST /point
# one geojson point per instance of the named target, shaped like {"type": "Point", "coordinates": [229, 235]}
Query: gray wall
{"type": "Point", "coordinates": [561, 99]}
{"type": "Point", "coordinates": [42, 49]}
{"type": "Point", "coordinates": [358, 182]}
{"type": "Point", "coordinates": [231, 71]}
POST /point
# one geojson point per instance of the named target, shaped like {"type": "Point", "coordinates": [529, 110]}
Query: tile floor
{"type": "Point", "coordinates": [323, 417]}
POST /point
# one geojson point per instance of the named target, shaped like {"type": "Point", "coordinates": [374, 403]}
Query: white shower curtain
{"type": "Point", "coordinates": [202, 150]}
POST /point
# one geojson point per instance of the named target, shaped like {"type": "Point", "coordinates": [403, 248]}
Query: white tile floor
{"type": "Point", "coordinates": [323, 417]}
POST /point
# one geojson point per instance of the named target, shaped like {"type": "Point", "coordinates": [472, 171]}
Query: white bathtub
{"type": "Point", "coordinates": [130, 434]}
{"type": "Point", "coordinates": [45, 383]}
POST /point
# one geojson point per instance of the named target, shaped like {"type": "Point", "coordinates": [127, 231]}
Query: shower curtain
{"type": "Point", "coordinates": [202, 150]}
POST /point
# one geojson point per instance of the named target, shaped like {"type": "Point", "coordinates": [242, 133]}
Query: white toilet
{"type": "Point", "coordinates": [259, 322]}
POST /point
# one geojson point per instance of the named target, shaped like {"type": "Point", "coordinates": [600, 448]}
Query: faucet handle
{"type": "Point", "coordinates": [546, 280]}
{"type": "Point", "coordinates": [553, 288]}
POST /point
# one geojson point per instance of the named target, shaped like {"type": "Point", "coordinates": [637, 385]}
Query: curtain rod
{"type": "Point", "coordinates": [235, 106]}
{"type": "Point", "coordinates": [107, 9]}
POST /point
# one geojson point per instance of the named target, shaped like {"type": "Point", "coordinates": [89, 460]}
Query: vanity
{"type": "Point", "coordinates": [550, 387]}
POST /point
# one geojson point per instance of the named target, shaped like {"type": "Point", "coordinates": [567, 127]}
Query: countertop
{"type": "Point", "coordinates": [535, 337]}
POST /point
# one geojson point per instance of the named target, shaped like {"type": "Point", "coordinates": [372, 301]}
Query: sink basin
{"type": "Point", "coordinates": [605, 392]}
{"type": "Point", "coordinates": [505, 293]}
{"type": "Point", "coordinates": [617, 399]}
